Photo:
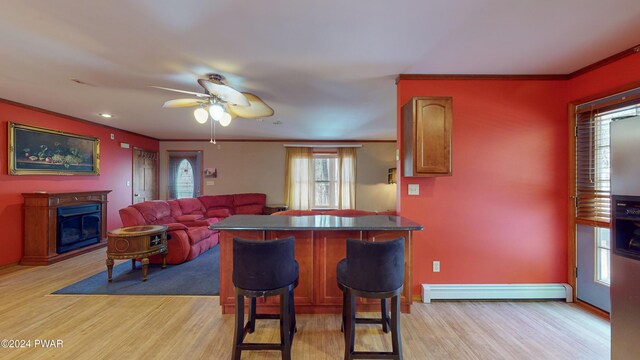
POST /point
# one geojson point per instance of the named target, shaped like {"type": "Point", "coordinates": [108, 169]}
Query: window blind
{"type": "Point", "coordinates": [593, 168]}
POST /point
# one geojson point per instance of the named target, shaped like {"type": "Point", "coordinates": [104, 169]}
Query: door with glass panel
{"type": "Point", "coordinates": [184, 174]}
{"type": "Point", "coordinates": [592, 194]}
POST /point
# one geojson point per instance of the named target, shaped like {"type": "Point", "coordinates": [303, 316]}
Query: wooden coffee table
{"type": "Point", "coordinates": [136, 242]}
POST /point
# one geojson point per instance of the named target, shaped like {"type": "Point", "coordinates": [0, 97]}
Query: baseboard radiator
{"type": "Point", "coordinates": [496, 292]}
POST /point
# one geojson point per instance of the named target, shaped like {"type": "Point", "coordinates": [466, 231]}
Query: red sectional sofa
{"type": "Point", "coordinates": [188, 220]}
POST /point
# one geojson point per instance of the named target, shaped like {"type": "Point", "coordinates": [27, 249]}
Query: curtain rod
{"type": "Point", "coordinates": [325, 145]}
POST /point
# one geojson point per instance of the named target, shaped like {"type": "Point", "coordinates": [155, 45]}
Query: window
{"type": "Point", "coordinates": [184, 180]}
{"type": "Point", "coordinates": [593, 167]}
{"type": "Point", "coordinates": [326, 180]}
{"type": "Point", "coordinates": [603, 255]}
{"type": "Point", "coordinates": [184, 174]}
{"type": "Point", "coordinates": [321, 180]}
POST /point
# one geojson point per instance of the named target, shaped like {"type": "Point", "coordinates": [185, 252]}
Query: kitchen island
{"type": "Point", "coordinates": [320, 244]}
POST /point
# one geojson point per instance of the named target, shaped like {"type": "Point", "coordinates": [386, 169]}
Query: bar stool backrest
{"type": "Point", "coordinates": [375, 266]}
{"type": "Point", "coordinates": [264, 265]}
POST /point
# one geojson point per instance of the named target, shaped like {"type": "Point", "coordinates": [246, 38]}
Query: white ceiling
{"type": "Point", "coordinates": [326, 67]}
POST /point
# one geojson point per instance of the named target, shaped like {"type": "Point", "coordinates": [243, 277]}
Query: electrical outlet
{"type": "Point", "coordinates": [128, 183]}
{"type": "Point", "coordinates": [414, 189]}
{"type": "Point", "coordinates": [436, 266]}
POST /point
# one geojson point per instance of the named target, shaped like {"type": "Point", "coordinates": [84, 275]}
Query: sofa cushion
{"type": "Point", "coordinates": [175, 208]}
{"type": "Point", "coordinates": [130, 216]}
{"type": "Point", "coordinates": [249, 199]}
{"type": "Point", "coordinates": [250, 210]}
{"type": "Point", "coordinates": [189, 218]}
{"type": "Point", "coordinates": [216, 201]}
{"type": "Point", "coordinates": [218, 213]}
{"type": "Point", "coordinates": [197, 234]}
{"type": "Point", "coordinates": [155, 211]}
{"type": "Point", "coordinates": [191, 206]}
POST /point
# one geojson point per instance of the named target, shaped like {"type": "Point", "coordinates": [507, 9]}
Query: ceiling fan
{"type": "Point", "coordinates": [220, 101]}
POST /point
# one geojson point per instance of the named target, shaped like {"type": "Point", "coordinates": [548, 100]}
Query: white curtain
{"type": "Point", "coordinates": [298, 178]}
{"type": "Point", "coordinates": [347, 179]}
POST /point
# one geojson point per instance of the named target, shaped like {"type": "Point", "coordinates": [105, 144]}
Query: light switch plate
{"type": "Point", "coordinates": [414, 189]}
{"type": "Point", "coordinates": [210, 182]}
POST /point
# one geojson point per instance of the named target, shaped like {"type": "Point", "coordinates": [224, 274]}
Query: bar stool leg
{"type": "Point", "coordinates": [238, 335]}
{"type": "Point", "coordinates": [349, 325]}
{"type": "Point", "coordinates": [252, 315]}
{"type": "Point", "coordinates": [384, 315]}
{"type": "Point", "coordinates": [292, 311]}
{"type": "Point", "coordinates": [344, 309]}
{"type": "Point", "coordinates": [285, 325]}
{"type": "Point", "coordinates": [396, 341]}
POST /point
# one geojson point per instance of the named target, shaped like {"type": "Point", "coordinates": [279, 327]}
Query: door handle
{"type": "Point", "coordinates": [136, 194]}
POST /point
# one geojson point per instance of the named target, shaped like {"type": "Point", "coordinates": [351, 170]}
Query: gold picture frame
{"type": "Point", "coordinates": [38, 151]}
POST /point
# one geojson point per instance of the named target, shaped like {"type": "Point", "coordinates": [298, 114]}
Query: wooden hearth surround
{"type": "Point", "coordinates": [40, 224]}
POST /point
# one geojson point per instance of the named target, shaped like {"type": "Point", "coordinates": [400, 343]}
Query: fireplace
{"type": "Point", "coordinates": [60, 225]}
{"type": "Point", "coordinates": [78, 226]}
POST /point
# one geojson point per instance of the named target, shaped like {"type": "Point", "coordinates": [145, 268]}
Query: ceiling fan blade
{"type": "Point", "coordinates": [256, 109]}
{"type": "Point", "coordinates": [224, 92]}
{"type": "Point", "coordinates": [183, 91]}
{"type": "Point", "coordinates": [177, 103]}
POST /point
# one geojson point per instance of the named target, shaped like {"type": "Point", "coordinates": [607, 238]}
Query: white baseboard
{"type": "Point", "coordinates": [495, 291]}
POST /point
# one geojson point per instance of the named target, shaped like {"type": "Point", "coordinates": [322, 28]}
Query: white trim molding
{"type": "Point", "coordinates": [496, 291]}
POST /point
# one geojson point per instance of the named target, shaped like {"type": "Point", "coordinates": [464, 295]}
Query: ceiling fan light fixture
{"type": "Point", "coordinates": [201, 115]}
{"type": "Point", "coordinates": [226, 119]}
{"type": "Point", "coordinates": [216, 111]}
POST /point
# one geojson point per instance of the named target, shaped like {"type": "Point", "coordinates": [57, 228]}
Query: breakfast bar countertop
{"type": "Point", "coordinates": [315, 222]}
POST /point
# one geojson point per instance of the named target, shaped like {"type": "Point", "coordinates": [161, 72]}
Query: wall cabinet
{"type": "Point", "coordinates": [426, 136]}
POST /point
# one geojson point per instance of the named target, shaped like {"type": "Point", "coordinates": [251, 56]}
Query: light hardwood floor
{"type": "Point", "coordinates": [181, 327]}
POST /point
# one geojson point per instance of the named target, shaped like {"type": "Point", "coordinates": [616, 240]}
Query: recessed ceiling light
{"type": "Point", "coordinates": [106, 115]}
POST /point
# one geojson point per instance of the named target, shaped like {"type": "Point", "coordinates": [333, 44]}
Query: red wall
{"type": "Point", "coordinates": [606, 79]}
{"type": "Point", "coordinates": [502, 216]}
{"type": "Point", "coordinates": [115, 170]}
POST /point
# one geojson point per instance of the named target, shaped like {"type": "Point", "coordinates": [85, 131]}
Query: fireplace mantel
{"type": "Point", "coordinates": [40, 224]}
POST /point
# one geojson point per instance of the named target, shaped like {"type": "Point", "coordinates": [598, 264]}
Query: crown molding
{"type": "Point", "coordinates": [607, 61]}
{"type": "Point", "coordinates": [613, 58]}
{"type": "Point", "coordinates": [480, 77]}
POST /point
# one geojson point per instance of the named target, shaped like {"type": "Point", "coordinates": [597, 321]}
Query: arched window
{"type": "Point", "coordinates": [184, 180]}
{"type": "Point", "coordinates": [184, 174]}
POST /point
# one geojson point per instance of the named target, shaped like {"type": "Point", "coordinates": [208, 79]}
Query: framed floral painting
{"type": "Point", "coordinates": [39, 151]}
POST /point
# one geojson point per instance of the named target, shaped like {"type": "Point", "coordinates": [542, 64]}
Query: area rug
{"type": "Point", "coordinates": [200, 276]}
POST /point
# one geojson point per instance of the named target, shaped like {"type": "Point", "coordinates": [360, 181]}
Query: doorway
{"type": "Point", "coordinates": [184, 174]}
{"type": "Point", "coordinates": [145, 175]}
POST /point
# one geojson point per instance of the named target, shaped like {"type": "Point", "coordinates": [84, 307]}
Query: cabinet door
{"type": "Point", "coordinates": [227, 296]}
{"type": "Point", "coordinates": [330, 248]}
{"type": "Point", "coordinates": [427, 136]}
{"type": "Point", "coordinates": [303, 294]}
{"type": "Point", "coordinates": [405, 298]}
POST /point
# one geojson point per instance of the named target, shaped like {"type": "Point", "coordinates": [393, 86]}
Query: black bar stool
{"type": "Point", "coordinates": [384, 305]}
{"type": "Point", "coordinates": [373, 270]}
{"type": "Point", "coordinates": [264, 268]}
